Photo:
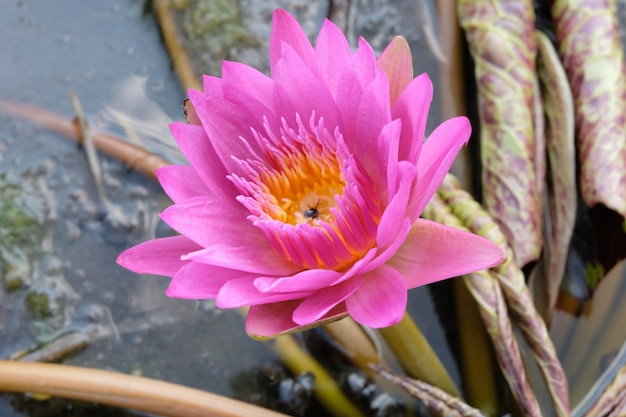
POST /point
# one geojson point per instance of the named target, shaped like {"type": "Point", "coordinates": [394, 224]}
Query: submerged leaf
{"type": "Point", "coordinates": [502, 43]}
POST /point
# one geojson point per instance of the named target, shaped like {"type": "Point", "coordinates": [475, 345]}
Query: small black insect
{"type": "Point", "coordinates": [312, 212]}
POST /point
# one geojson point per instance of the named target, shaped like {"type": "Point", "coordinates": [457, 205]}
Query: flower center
{"type": "Point", "coordinates": [309, 196]}
{"type": "Point", "coordinates": [304, 188]}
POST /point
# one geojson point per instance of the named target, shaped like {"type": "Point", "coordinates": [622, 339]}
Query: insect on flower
{"type": "Point", "coordinates": [312, 212]}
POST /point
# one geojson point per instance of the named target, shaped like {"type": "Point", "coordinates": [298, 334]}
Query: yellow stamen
{"type": "Point", "coordinates": [303, 183]}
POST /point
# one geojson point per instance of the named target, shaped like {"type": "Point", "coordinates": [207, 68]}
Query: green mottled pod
{"type": "Point", "coordinates": [558, 106]}
{"type": "Point", "coordinates": [589, 44]}
{"type": "Point", "coordinates": [501, 36]}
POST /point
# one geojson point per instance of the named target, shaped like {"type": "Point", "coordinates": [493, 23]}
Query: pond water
{"type": "Point", "coordinates": [101, 51]}
{"type": "Point", "coordinates": [60, 235]}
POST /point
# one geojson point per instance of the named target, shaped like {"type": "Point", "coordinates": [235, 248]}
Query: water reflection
{"type": "Point", "coordinates": [135, 116]}
{"type": "Point", "coordinates": [600, 322]}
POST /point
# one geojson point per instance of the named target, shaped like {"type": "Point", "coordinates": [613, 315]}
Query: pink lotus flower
{"type": "Point", "coordinates": [305, 189]}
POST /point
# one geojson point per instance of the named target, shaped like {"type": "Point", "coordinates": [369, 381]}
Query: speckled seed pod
{"type": "Point", "coordinates": [501, 37]}
{"type": "Point", "coordinates": [589, 44]}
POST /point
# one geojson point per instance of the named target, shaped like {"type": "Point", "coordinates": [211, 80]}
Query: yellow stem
{"type": "Point", "coordinates": [363, 350]}
{"type": "Point", "coordinates": [121, 390]}
{"type": "Point", "coordinates": [416, 356]}
{"type": "Point", "coordinates": [476, 353]}
{"type": "Point", "coordinates": [326, 390]}
{"type": "Point", "coordinates": [354, 343]}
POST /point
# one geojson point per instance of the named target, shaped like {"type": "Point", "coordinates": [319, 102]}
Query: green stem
{"type": "Point", "coordinates": [416, 356]}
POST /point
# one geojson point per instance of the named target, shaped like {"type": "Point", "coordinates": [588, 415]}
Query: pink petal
{"type": "Point", "coordinates": [270, 320]}
{"type": "Point", "coordinates": [412, 108]}
{"type": "Point", "coordinates": [251, 92]}
{"type": "Point", "coordinates": [381, 300]}
{"type": "Point", "coordinates": [196, 281]}
{"type": "Point", "coordinates": [195, 145]}
{"type": "Point", "coordinates": [373, 114]}
{"type": "Point", "coordinates": [243, 84]}
{"type": "Point", "coordinates": [436, 158]}
{"type": "Point", "coordinates": [207, 221]}
{"type": "Point", "coordinates": [225, 124]}
{"type": "Point", "coordinates": [181, 182]}
{"type": "Point", "coordinates": [331, 56]}
{"type": "Point", "coordinates": [211, 88]}
{"type": "Point", "coordinates": [314, 279]}
{"type": "Point", "coordinates": [307, 280]}
{"type": "Point", "coordinates": [395, 213]}
{"type": "Point", "coordinates": [258, 260]}
{"type": "Point", "coordinates": [388, 142]}
{"type": "Point", "coordinates": [242, 292]}
{"type": "Point", "coordinates": [360, 71]}
{"type": "Point", "coordinates": [157, 256]}
{"type": "Point", "coordinates": [316, 306]}
{"type": "Point", "coordinates": [287, 30]}
{"type": "Point", "coordinates": [433, 252]}
{"type": "Point", "coordinates": [299, 91]}
{"type": "Point", "coordinates": [391, 249]}
{"type": "Point", "coordinates": [397, 62]}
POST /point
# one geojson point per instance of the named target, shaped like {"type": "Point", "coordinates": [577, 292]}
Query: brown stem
{"type": "Point", "coordinates": [132, 156]}
{"type": "Point", "coordinates": [121, 390]}
{"type": "Point", "coordinates": [171, 35]}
